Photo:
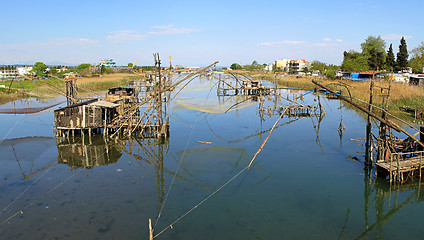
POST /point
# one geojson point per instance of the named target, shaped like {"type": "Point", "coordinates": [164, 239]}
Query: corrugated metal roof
{"type": "Point", "coordinates": [106, 104]}
{"type": "Point", "coordinates": [370, 72]}
{"type": "Point", "coordinates": [77, 104]}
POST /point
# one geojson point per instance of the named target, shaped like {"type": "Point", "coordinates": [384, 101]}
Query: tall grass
{"type": "Point", "coordinates": [103, 85]}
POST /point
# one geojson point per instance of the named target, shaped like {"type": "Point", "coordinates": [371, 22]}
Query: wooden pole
{"type": "Point", "coordinates": [398, 166]}
{"type": "Point", "coordinates": [392, 125]}
{"type": "Point", "coordinates": [390, 168]}
{"type": "Point", "coordinates": [368, 162]}
{"type": "Point", "coordinates": [150, 230]}
{"type": "Point", "coordinates": [421, 156]}
{"type": "Point", "coordinates": [387, 122]}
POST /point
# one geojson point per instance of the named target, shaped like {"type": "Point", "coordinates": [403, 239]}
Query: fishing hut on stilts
{"type": "Point", "coordinates": [242, 86]}
{"type": "Point", "coordinates": [137, 111]}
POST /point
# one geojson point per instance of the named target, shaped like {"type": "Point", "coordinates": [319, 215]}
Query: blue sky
{"type": "Point", "coordinates": [197, 33]}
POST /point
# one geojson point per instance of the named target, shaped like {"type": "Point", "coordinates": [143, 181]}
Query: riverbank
{"type": "Point", "coordinates": [401, 95]}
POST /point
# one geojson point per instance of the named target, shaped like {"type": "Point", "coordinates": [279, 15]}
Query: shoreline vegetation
{"type": "Point", "coordinates": [54, 87]}
{"type": "Point", "coordinates": [402, 95]}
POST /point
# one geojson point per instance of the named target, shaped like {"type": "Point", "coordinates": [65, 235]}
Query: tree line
{"type": "Point", "coordinates": [252, 67]}
{"type": "Point", "coordinates": [85, 69]}
{"type": "Point", "coordinates": [8, 67]}
{"type": "Point", "coordinates": [374, 56]}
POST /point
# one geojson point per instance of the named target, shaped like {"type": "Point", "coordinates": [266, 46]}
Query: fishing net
{"type": "Point", "coordinates": [210, 167]}
{"type": "Point", "coordinates": [215, 105]}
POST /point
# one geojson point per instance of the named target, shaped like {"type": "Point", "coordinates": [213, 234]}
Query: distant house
{"type": "Point", "coordinates": [417, 79]}
{"type": "Point", "coordinates": [368, 74]}
{"type": "Point", "coordinates": [107, 63]}
{"type": "Point", "coordinates": [269, 67]}
{"type": "Point", "coordinates": [283, 64]}
{"type": "Point", "coordinates": [71, 75]}
{"type": "Point", "coordinates": [120, 93]}
{"type": "Point", "coordinates": [8, 73]}
{"type": "Point", "coordinates": [61, 69]}
{"type": "Point", "coordinates": [298, 65]}
{"type": "Point", "coordinates": [24, 70]}
{"type": "Point", "coordinates": [316, 73]}
{"type": "Point", "coordinates": [362, 76]}
{"type": "Point", "coordinates": [398, 77]}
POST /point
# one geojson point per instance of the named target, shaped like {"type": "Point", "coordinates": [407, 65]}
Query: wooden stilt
{"type": "Point", "coordinates": [150, 230]}
{"type": "Point", "coordinates": [89, 132]}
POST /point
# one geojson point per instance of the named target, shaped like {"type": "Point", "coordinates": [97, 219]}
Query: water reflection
{"type": "Point", "coordinates": [385, 198]}
{"type": "Point", "coordinates": [100, 151]}
{"type": "Point", "coordinates": [31, 154]}
{"type": "Point", "coordinates": [29, 105]}
{"type": "Point", "coordinates": [88, 152]}
{"type": "Point", "coordinates": [150, 151]}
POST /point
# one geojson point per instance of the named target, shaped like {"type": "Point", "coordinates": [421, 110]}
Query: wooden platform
{"type": "Point", "coordinates": [262, 90]}
{"type": "Point", "coordinates": [400, 163]}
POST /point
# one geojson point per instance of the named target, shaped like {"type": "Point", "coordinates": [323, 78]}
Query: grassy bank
{"type": "Point", "coordinates": [54, 87]}
{"type": "Point", "coordinates": [99, 84]}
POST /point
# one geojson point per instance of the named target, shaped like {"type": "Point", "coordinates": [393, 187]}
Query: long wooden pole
{"type": "Point", "coordinates": [368, 153]}
{"type": "Point", "coordinates": [394, 126]}
{"type": "Point", "coordinates": [387, 122]}
{"type": "Point", "coordinates": [150, 230]}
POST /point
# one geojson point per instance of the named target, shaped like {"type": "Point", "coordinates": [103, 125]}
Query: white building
{"type": "Point", "coordinates": [24, 70]}
{"type": "Point", "coordinates": [399, 77]}
{"type": "Point", "coordinates": [107, 63]}
{"type": "Point", "coordinates": [298, 65]}
{"type": "Point", "coordinates": [8, 73]}
{"type": "Point", "coordinates": [269, 67]}
{"type": "Point", "coordinates": [282, 64]}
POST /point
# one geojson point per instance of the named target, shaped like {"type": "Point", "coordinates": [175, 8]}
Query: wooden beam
{"type": "Point", "coordinates": [387, 122]}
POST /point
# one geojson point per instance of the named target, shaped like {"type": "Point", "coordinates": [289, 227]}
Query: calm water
{"type": "Point", "coordinates": [301, 185]}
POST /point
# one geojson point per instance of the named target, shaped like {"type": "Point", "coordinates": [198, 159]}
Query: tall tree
{"type": "Point", "coordinates": [376, 43]}
{"type": "Point", "coordinates": [83, 69]}
{"type": "Point", "coordinates": [236, 66]}
{"type": "Point", "coordinates": [317, 65]}
{"type": "Point", "coordinates": [402, 55]}
{"type": "Point", "coordinates": [354, 61]}
{"type": "Point", "coordinates": [417, 59]}
{"type": "Point", "coordinates": [39, 69]}
{"type": "Point", "coordinates": [390, 59]}
{"type": "Point", "coordinates": [374, 50]}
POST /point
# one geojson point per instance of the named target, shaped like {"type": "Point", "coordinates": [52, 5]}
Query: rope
{"type": "Point", "coordinates": [32, 184]}
{"type": "Point", "coordinates": [32, 203]}
{"type": "Point", "coordinates": [231, 179]}
{"type": "Point", "coordinates": [201, 202]}
{"type": "Point", "coordinates": [14, 200]}
{"type": "Point", "coordinates": [173, 179]}
{"type": "Point", "coordinates": [382, 109]}
{"type": "Point", "coordinates": [16, 123]}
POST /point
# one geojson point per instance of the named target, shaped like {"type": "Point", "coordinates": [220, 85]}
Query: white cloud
{"type": "Point", "coordinates": [328, 42]}
{"type": "Point", "coordinates": [395, 36]}
{"type": "Point", "coordinates": [171, 29]}
{"type": "Point", "coordinates": [126, 35]}
{"type": "Point", "coordinates": [282, 43]}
